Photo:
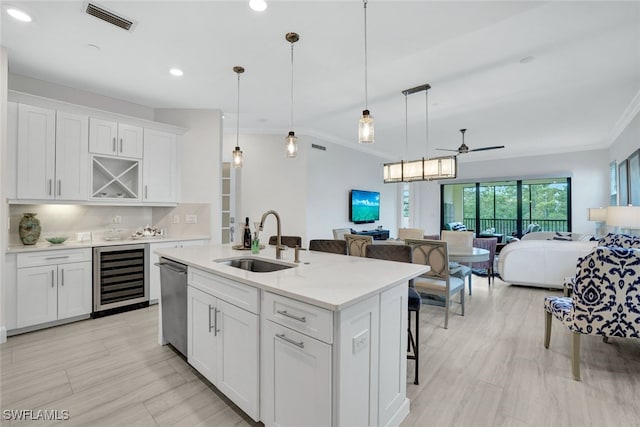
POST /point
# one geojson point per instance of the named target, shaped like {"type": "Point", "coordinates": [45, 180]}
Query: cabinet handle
{"type": "Point", "coordinates": [52, 279]}
{"type": "Point", "coordinates": [57, 257]}
{"type": "Point", "coordinates": [50, 187]}
{"type": "Point", "coordinates": [62, 276]}
{"type": "Point", "coordinates": [210, 327]}
{"type": "Point", "coordinates": [59, 187]}
{"type": "Point", "coordinates": [302, 319]}
{"type": "Point", "coordinates": [215, 322]}
{"type": "Point", "coordinates": [146, 192]}
{"type": "Point", "coordinates": [290, 341]}
{"type": "Point", "coordinates": [121, 145]}
{"type": "Point", "coordinates": [114, 144]}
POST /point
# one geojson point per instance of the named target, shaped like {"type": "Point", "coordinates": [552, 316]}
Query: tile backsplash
{"type": "Point", "coordinates": [69, 220]}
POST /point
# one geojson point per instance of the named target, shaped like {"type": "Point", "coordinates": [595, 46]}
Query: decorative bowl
{"type": "Point", "coordinates": [56, 239]}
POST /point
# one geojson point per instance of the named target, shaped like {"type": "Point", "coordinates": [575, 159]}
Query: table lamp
{"type": "Point", "coordinates": [624, 217]}
{"type": "Point", "coordinates": [599, 215]}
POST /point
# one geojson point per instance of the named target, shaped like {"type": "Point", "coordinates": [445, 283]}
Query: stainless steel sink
{"type": "Point", "coordinates": [255, 265]}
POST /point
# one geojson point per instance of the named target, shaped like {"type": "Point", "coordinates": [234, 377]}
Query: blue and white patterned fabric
{"type": "Point", "coordinates": [620, 240]}
{"type": "Point", "coordinates": [606, 295]}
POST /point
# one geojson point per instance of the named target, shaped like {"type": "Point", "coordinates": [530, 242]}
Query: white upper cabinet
{"type": "Point", "coordinates": [51, 154]}
{"type": "Point", "coordinates": [72, 134]}
{"type": "Point", "coordinates": [36, 152]}
{"type": "Point", "coordinates": [72, 153]}
{"type": "Point", "coordinates": [159, 170]}
{"type": "Point", "coordinates": [116, 139]}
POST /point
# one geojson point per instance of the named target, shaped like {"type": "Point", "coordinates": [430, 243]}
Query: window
{"type": "Point", "coordinates": [509, 207]}
{"type": "Point", "coordinates": [406, 207]}
{"type": "Point", "coordinates": [613, 183]}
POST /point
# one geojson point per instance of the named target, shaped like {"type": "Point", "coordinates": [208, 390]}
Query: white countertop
{"type": "Point", "coordinates": [326, 280]}
{"type": "Point", "coordinates": [74, 244]}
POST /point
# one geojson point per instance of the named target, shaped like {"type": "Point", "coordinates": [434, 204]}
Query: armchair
{"type": "Point", "coordinates": [605, 299]}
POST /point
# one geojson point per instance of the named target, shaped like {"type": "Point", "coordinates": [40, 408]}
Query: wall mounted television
{"type": "Point", "coordinates": [364, 206]}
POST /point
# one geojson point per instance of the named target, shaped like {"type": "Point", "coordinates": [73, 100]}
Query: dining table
{"type": "Point", "coordinates": [456, 254]}
{"type": "Point", "coordinates": [466, 256]}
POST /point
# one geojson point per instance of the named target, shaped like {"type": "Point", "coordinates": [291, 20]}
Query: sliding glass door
{"type": "Point", "coordinates": [509, 208]}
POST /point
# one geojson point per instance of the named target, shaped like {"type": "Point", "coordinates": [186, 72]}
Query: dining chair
{"type": "Point", "coordinates": [436, 281]}
{"type": "Point", "coordinates": [410, 233]}
{"type": "Point", "coordinates": [403, 253]}
{"type": "Point", "coordinates": [330, 246]}
{"type": "Point", "coordinates": [338, 233]}
{"type": "Point", "coordinates": [459, 241]}
{"type": "Point", "coordinates": [356, 244]}
{"type": "Point", "coordinates": [290, 241]}
{"type": "Point", "coordinates": [490, 244]}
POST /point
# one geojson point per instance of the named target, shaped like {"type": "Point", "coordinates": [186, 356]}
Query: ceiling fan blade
{"type": "Point", "coordinates": [495, 147]}
{"type": "Point", "coordinates": [446, 149]}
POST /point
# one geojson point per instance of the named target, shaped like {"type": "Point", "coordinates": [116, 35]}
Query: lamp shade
{"type": "Point", "coordinates": [624, 216]}
{"type": "Point", "coordinates": [597, 214]}
{"type": "Point", "coordinates": [420, 170]}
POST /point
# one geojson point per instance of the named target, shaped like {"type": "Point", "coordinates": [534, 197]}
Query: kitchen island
{"type": "Point", "coordinates": [322, 342]}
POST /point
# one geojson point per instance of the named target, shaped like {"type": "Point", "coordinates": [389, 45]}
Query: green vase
{"type": "Point", "coordinates": [29, 229]}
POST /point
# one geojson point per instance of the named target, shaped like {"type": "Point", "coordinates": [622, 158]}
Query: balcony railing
{"type": "Point", "coordinates": [509, 226]}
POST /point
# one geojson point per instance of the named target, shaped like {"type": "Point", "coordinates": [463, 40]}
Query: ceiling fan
{"type": "Point", "coordinates": [464, 149]}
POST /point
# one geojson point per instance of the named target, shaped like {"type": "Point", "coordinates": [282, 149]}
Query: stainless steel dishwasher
{"type": "Point", "coordinates": [173, 295]}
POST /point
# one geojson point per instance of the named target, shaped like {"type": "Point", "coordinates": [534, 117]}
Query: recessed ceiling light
{"type": "Point", "coordinates": [527, 59]}
{"type": "Point", "coordinates": [176, 72]}
{"type": "Point", "coordinates": [19, 15]}
{"type": "Point", "coordinates": [258, 5]}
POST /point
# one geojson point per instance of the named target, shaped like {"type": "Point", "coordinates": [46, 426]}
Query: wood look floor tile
{"type": "Point", "coordinates": [489, 368]}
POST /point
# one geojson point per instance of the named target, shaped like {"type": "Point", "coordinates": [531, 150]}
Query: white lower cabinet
{"type": "Point", "coordinates": [223, 341]}
{"type": "Point", "coordinates": [51, 287]}
{"type": "Point", "coordinates": [289, 363]}
{"type": "Point", "coordinates": [297, 378]}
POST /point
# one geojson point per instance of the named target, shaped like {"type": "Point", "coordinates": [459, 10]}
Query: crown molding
{"type": "Point", "coordinates": [629, 113]}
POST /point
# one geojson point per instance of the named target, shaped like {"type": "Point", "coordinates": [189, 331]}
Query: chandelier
{"type": "Point", "coordinates": [424, 169]}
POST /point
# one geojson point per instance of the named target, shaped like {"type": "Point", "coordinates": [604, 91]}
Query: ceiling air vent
{"type": "Point", "coordinates": [319, 147]}
{"type": "Point", "coordinates": [109, 17]}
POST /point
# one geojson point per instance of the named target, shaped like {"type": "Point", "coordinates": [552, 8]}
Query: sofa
{"type": "Point", "coordinates": [539, 260]}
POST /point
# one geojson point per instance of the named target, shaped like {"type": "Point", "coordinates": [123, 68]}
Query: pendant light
{"type": "Point", "coordinates": [237, 153]}
{"type": "Point", "coordinates": [291, 141]}
{"type": "Point", "coordinates": [365, 125]}
{"type": "Point", "coordinates": [424, 169]}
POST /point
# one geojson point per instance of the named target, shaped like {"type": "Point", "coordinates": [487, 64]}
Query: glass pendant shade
{"type": "Point", "coordinates": [291, 142]}
{"type": "Point", "coordinates": [237, 157]}
{"type": "Point", "coordinates": [237, 153]}
{"type": "Point", "coordinates": [365, 128]}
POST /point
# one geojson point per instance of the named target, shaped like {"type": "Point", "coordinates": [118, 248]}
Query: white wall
{"type": "Point", "coordinates": [588, 170]}
{"type": "Point", "coordinates": [311, 191]}
{"type": "Point", "coordinates": [331, 174]}
{"type": "Point", "coordinates": [200, 159]}
{"type": "Point", "coordinates": [269, 180]}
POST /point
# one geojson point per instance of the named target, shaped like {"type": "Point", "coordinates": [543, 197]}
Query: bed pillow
{"type": "Point", "coordinates": [565, 237]}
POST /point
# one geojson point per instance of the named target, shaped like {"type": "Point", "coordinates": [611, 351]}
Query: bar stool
{"type": "Point", "coordinates": [403, 253]}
